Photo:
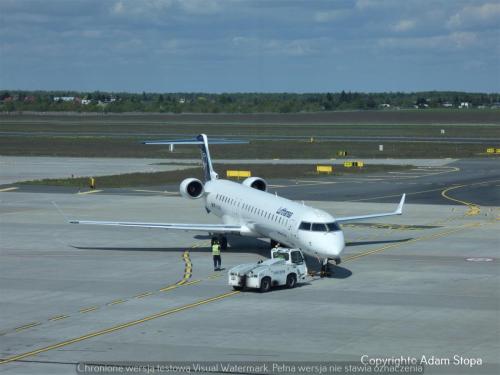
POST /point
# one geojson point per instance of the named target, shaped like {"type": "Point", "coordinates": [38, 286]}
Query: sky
{"type": "Point", "coordinates": [250, 46]}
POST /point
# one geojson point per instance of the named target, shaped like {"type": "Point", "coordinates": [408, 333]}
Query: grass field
{"type": "Point", "coordinates": [162, 178]}
{"type": "Point", "coordinates": [132, 147]}
{"type": "Point", "coordinates": [121, 135]}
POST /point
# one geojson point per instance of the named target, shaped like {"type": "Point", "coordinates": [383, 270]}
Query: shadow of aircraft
{"type": "Point", "coordinates": [236, 245]}
{"type": "Point", "coordinates": [335, 271]}
{"type": "Point", "coordinates": [360, 243]}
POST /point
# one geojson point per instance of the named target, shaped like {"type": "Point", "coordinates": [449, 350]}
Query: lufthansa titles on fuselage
{"type": "Point", "coordinates": [284, 212]}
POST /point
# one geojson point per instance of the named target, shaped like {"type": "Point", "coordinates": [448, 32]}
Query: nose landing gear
{"type": "Point", "coordinates": [325, 266]}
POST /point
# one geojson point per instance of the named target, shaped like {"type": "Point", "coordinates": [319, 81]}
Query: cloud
{"type": "Point", "coordinates": [200, 6]}
{"type": "Point", "coordinates": [455, 40]}
{"type": "Point", "coordinates": [404, 25]}
{"type": "Point", "coordinates": [278, 47]}
{"type": "Point", "coordinates": [473, 16]}
{"type": "Point", "coordinates": [160, 7]}
{"type": "Point", "coordinates": [329, 15]}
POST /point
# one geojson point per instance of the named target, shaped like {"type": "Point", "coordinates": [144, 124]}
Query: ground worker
{"type": "Point", "coordinates": [216, 255]}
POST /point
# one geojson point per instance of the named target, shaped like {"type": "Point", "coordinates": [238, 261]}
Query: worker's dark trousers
{"type": "Point", "coordinates": [217, 261]}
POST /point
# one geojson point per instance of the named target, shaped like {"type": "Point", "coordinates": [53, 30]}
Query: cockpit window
{"type": "Point", "coordinates": [333, 227]}
{"type": "Point", "coordinates": [305, 226]}
{"type": "Point", "coordinates": [319, 227]}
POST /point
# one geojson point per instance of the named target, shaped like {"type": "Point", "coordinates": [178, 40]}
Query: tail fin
{"type": "Point", "coordinates": [202, 141]}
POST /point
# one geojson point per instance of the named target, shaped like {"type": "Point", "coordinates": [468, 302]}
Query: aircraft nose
{"type": "Point", "coordinates": [334, 244]}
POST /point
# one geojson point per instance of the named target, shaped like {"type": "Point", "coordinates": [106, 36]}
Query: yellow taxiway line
{"type": "Point", "coordinates": [423, 238]}
{"type": "Point", "coordinates": [473, 208]}
{"type": "Point", "coordinates": [117, 327]}
{"type": "Point", "coordinates": [58, 317]}
{"type": "Point", "coordinates": [88, 309]}
{"type": "Point", "coordinates": [88, 192]}
{"type": "Point", "coordinates": [26, 326]}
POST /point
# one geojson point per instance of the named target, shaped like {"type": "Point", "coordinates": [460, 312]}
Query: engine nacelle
{"type": "Point", "coordinates": [256, 183]}
{"type": "Point", "coordinates": [191, 188]}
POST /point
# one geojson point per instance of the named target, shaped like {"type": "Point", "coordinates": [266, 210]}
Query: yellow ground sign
{"type": "Point", "coordinates": [324, 169]}
{"type": "Point", "coordinates": [348, 164]}
{"type": "Point", "coordinates": [490, 150]}
{"type": "Point", "coordinates": [238, 174]}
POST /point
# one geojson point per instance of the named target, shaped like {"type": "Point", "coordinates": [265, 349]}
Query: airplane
{"type": "Point", "coordinates": [248, 209]}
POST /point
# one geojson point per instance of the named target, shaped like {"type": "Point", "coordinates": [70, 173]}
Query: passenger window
{"type": "Point", "coordinates": [305, 226]}
{"type": "Point", "coordinates": [319, 227]}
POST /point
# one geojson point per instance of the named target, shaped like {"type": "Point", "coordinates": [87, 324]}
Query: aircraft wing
{"type": "Point", "coordinates": [210, 228]}
{"type": "Point", "coordinates": [398, 211]}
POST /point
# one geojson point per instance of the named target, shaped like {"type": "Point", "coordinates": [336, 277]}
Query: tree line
{"type": "Point", "coordinates": [45, 101]}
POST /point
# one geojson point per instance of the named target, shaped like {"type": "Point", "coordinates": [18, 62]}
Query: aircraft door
{"type": "Point", "coordinates": [292, 228]}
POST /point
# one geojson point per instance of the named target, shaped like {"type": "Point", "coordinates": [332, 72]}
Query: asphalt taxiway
{"type": "Point", "coordinates": [425, 283]}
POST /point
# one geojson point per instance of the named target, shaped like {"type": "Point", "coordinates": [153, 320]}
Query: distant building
{"type": "Point", "coordinates": [64, 98]}
{"type": "Point", "coordinates": [385, 105]}
{"type": "Point", "coordinates": [464, 105]}
{"type": "Point", "coordinates": [447, 105]}
{"type": "Point", "coordinates": [182, 100]}
{"type": "Point", "coordinates": [86, 101]}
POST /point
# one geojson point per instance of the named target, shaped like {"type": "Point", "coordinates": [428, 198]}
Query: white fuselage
{"type": "Point", "coordinates": [262, 214]}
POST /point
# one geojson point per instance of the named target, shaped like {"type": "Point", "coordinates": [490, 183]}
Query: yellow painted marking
{"type": "Point", "coordinates": [473, 208]}
{"type": "Point", "coordinates": [167, 288]}
{"type": "Point", "coordinates": [88, 192]}
{"type": "Point", "coordinates": [8, 189]}
{"type": "Point", "coordinates": [59, 317]}
{"type": "Point", "coordinates": [26, 326]}
{"type": "Point", "coordinates": [192, 282]}
{"type": "Point", "coordinates": [116, 302]}
{"type": "Point", "coordinates": [395, 195]}
{"type": "Point", "coordinates": [88, 309]}
{"type": "Point", "coordinates": [215, 276]}
{"type": "Point", "coordinates": [117, 327]}
{"type": "Point", "coordinates": [423, 238]}
{"type": "Point", "coordinates": [142, 295]}
{"type": "Point", "coordinates": [155, 191]}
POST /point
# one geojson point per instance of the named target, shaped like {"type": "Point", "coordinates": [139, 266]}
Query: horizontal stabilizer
{"type": "Point", "coordinates": [194, 141]}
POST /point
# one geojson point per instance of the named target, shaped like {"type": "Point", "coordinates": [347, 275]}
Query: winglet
{"type": "Point", "coordinates": [399, 210]}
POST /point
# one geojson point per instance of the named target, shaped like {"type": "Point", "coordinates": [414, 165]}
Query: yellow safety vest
{"type": "Point", "coordinates": [215, 249]}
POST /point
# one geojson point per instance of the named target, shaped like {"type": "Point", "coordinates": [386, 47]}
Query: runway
{"type": "Point", "coordinates": [425, 283]}
{"type": "Point", "coordinates": [408, 139]}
